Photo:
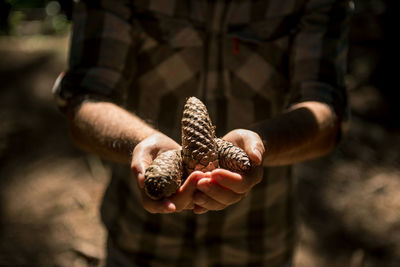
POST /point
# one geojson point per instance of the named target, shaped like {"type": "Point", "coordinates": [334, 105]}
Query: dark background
{"type": "Point", "coordinates": [50, 191]}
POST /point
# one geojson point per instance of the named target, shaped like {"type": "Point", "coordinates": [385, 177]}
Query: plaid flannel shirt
{"type": "Point", "coordinates": [248, 61]}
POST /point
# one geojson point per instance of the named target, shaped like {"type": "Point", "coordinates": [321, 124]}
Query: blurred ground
{"type": "Point", "coordinates": [50, 191]}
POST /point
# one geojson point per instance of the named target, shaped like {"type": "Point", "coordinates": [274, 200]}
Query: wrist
{"type": "Point", "coordinates": [306, 131]}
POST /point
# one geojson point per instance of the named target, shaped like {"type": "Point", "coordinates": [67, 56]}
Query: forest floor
{"type": "Point", "coordinates": [50, 191]}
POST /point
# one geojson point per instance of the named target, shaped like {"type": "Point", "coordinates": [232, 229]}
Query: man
{"type": "Point", "coordinates": [271, 75]}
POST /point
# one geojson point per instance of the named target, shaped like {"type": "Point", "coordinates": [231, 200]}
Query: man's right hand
{"type": "Point", "coordinates": [143, 154]}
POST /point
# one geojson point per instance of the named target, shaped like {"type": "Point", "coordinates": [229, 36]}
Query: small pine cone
{"type": "Point", "coordinates": [232, 157]}
{"type": "Point", "coordinates": [198, 133]}
{"type": "Point", "coordinates": [164, 175]}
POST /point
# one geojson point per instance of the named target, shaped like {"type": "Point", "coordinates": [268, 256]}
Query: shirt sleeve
{"type": "Point", "coordinates": [319, 55]}
{"type": "Point", "coordinates": [102, 57]}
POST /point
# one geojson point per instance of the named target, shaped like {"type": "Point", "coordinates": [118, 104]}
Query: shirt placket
{"type": "Point", "coordinates": [215, 77]}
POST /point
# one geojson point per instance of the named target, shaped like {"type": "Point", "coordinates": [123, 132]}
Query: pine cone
{"type": "Point", "coordinates": [200, 151]}
{"type": "Point", "coordinates": [231, 157]}
{"type": "Point", "coordinates": [198, 145]}
{"type": "Point", "coordinates": [164, 176]}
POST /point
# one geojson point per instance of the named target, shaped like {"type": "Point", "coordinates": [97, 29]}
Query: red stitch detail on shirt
{"type": "Point", "coordinates": [235, 45]}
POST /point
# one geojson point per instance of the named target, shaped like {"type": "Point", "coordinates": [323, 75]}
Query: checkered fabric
{"type": "Point", "coordinates": [247, 60]}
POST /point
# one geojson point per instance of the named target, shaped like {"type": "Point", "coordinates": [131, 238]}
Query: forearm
{"type": "Point", "coordinates": [306, 131]}
{"type": "Point", "coordinates": [106, 129]}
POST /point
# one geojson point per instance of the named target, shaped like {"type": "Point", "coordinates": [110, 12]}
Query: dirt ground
{"type": "Point", "coordinates": [50, 191]}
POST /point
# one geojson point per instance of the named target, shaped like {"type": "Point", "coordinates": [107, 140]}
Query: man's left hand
{"type": "Point", "coordinates": [222, 188]}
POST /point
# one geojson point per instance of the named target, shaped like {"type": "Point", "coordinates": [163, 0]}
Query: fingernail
{"type": "Point", "coordinates": [170, 207]}
{"type": "Point", "coordinates": [199, 202]}
{"type": "Point", "coordinates": [198, 199]}
{"type": "Point", "coordinates": [200, 211]}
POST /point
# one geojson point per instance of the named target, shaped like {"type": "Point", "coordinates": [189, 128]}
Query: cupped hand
{"type": "Point", "coordinates": [143, 154]}
{"type": "Point", "coordinates": [222, 188]}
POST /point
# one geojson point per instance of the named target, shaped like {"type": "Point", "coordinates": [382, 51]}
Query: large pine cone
{"type": "Point", "coordinates": [198, 144]}
{"type": "Point", "coordinates": [164, 175]}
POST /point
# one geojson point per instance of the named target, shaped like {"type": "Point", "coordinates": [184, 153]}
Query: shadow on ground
{"type": "Point", "coordinates": [49, 191]}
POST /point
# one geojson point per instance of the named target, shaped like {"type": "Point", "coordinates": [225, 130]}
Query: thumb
{"type": "Point", "coordinates": [140, 161]}
{"type": "Point", "coordinates": [254, 148]}
{"type": "Point", "coordinates": [249, 141]}
{"type": "Point", "coordinates": [184, 196]}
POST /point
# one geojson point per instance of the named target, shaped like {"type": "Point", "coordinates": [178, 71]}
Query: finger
{"type": "Point", "coordinates": [253, 146]}
{"type": "Point", "coordinates": [250, 142]}
{"type": "Point", "coordinates": [184, 196]}
{"type": "Point", "coordinates": [230, 180]}
{"type": "Point", "coordinates": [157, 206]}
{"type": "Point", "coordinates": [199, 210]}
{"type": "Point", "coordinates": [238, 183]}
{"type": "Point", "coordinates": [141, 159]}
{"type": "Point", "coordinates": [255, 149]}
{"type": "Point", "coordinates": [214, 191]}
{"type": "Point", "coordinates": [190, 206]}
{"type": "Point", "coordinates": [202, 200]}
